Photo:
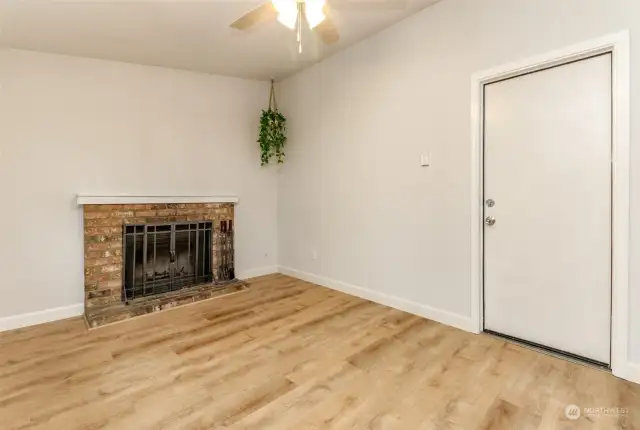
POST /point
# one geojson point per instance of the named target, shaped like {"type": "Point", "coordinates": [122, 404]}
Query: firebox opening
{"type": "Point", "coordinates": [159, 258]}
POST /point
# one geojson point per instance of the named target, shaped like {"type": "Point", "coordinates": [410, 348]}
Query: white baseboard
{"type": "Point", "coordinates": [64, 312]}
{"type": "Point", "coordinates": [41, 317]}
{"type": "Point", "coordinates": [439, 315]}
{"type": "Point", "coordinates": [260, 271]}
{"type": "Point", "coordinates": [629, 371]}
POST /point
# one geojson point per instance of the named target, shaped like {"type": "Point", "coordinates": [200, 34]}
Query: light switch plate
{"type": "Point", "coordinates": [425, 160]}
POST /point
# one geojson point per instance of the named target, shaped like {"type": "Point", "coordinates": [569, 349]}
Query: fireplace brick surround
{"type": "Point", "coordinates": [103, 252]}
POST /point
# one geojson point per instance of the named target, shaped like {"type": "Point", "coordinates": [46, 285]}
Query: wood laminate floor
{"type": "Point", "coordinates": [291, 355]}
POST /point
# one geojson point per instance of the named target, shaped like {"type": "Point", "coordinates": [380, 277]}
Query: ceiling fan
{"type": "Point", "coordinates": [293, 14]}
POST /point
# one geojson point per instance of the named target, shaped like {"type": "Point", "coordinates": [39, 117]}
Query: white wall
{"type": "Point", "coordinates": [72, 125]}
{"type": "Point", "coordinates": [352, 187]}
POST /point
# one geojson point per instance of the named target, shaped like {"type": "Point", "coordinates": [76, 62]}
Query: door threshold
{"type": "Point", "coordinates": [573, 358]}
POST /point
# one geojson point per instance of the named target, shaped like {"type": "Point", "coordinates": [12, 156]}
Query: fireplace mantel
{"type": "Point", "coordinates": [120, 199]}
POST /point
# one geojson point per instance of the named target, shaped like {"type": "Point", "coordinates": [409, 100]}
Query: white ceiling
{"type": "Point", "coordinates": [186, 34]}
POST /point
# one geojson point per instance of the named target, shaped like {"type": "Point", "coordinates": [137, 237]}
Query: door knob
{"type": "Point", "coordinates": [489, 220]}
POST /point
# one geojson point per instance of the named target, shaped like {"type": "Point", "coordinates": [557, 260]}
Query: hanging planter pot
{"type": "Point", "coordinates": [273, 131]}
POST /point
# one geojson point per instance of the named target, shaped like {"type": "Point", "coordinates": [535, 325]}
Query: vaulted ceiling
{"type": "Point", "coordinates": [186, 34]}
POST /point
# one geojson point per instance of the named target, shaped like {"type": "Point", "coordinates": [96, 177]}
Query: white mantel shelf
{"type": "Point", "coordinates": [122, 199]}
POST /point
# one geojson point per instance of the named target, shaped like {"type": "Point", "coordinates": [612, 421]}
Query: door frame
{"type": "Point", "coordinates": [618, 45]}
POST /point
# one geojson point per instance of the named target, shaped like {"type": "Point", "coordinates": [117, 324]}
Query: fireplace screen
{"type": "Point", "coordinates": [159, 258]}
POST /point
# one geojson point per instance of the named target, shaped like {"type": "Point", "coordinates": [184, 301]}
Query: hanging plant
{"type": "Point", "coordinates": [273, 131]}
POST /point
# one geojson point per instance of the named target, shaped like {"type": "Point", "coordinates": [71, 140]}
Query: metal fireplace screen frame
{"type": "Point", "coordinates": [174, 256]}
{"type": "Point", "coordinates": [225, 252]}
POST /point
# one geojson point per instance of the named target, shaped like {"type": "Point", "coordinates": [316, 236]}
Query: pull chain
{"type": "Point", "coordinates": [300, 16]}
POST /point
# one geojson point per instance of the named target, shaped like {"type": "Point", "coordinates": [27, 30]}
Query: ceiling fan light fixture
{"type": "Point", "coordinates": [293, 14]}
{"type": "Point", "coordinates": [314, 10]}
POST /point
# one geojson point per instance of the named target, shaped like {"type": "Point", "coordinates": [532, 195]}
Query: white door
{"type": "Point", "coordinates": [547, 257]}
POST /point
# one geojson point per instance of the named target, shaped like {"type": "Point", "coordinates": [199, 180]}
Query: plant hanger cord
{"type": "Point", "coordinates": [273, 105]}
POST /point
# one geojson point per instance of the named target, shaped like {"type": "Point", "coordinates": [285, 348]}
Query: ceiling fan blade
{"type": "Point", "coordinates": [371, 5]}
{"type": "Point", "coordinates": [328, 31]}
{"type": "Point", "coordinates": [260, 14]}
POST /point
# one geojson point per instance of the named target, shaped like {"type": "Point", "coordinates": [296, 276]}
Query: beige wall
{"type": "Point", "coordinates": [353, 191]}
{"type": "Point", "coordinates": [72, 125]}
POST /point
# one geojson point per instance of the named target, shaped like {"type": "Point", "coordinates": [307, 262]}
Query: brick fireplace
{"type": "Point", "coordinates": [111, 279]}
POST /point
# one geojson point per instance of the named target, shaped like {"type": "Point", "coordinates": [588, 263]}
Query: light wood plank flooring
{"type": "Point", "coordinates": [291, 355]}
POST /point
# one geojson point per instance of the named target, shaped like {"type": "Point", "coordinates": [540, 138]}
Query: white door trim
{"type": "Point", "coordinates": [618, 45]}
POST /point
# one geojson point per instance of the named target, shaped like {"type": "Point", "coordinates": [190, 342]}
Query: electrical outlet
{"type": "Point", "coordinates": [314, 254]}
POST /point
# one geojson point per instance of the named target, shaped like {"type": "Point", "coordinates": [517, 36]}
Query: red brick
{"type": "Point", "coordinates": [110, 284]}
{"type": "Point", "coordinates": [90, 285]}
{"type": "Point", "coordinates": [134, 220]}
{"type": "Point", "coordinates": [96, 262]}
{"type": "Point", "coordinates": [102, 222]}
{"type": "Point", "coordinates": [166, 212]}
{"type": "Point", "coordinates": [95, 215]}
{"type": "Point", "coordinates": [112, 253]}
{"type": "Point", "coordinates": [145, 212]}
{"type": "Point", "coordinates": [124, 213]}
{"type": "Point", "coordinates": [111, 268]}
{"type": "Point", "coordinates": [91, 246]}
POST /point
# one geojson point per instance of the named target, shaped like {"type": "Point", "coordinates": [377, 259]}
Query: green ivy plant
{"type": "Point", "coordinates": [273, 132]}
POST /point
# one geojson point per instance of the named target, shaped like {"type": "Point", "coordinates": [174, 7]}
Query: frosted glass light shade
{"type": "Point", "coordinates": [315, 12]}
{"type": "Point", "coordinates": [287, 12]}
